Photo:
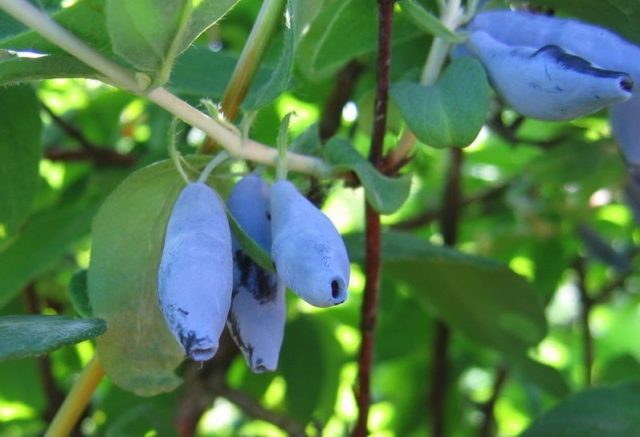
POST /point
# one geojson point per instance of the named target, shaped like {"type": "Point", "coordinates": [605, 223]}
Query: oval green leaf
{"type": "Point", "coordinates": [449, 113]}
{"type": "Point", "coordinates": [28, 336]}
{"type": "Point", "coordinates": [138, 352]}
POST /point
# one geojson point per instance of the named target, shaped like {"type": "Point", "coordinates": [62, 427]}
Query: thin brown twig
{"type": "Point", "coordinates": [100, 156]}
{"type": "Point", "coordinates": [488, 420]}
{"type": "Point", "coordinates": [373, 234]}
{"type": "Point", "coordinates": [586, 303]}
{"type": "Point", "coordinates": [433, 214]}
{"type": "Point", "coordinates": [449, 221]}
{"type": "Point", "coordinates": [346, 81]}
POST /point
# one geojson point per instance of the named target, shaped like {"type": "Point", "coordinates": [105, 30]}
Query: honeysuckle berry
{"type": "Point", "coordinates": [601, 47]}
{"type": "Point", "coordinates": [307, 251]}
{"type": "Point", "coordinates": [195, 277]}
{"type": "Point", "coordinates": [258, 312]}
{"type": "Point", "coordinates": [598, 45]}
{"type": "Point", "coordinates": [548, 83]}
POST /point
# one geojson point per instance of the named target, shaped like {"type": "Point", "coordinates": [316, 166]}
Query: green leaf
{"type": "Point", "coordinates": [385, 194]}
{"type": "Point", "coordinates": [85, 19]}
{"type": "Point", "coordinates": [79, 294]}
{"type": "Point", "coordinates": [343, 30]}
{"type": "Point", "coordinates": [150, 34]}
{"type": "Point", "coordinates": [250, 246]}
{"type": "Point", "coordinates": [449, 113]}
{"type": "Point", "coordinates": [465, 291]}
{"type": "Point", "coordinates": [310, 363]}
{"type": "Point", "coordinates": [546, 377]}
{"type": "Point", "coordinates": [27, 336]}
{"type": "Point", "coordinates": [427, 22]}
{"type": "Point", "coordinates": [20, 131]}
{"type": "Point", "coordinates": [16, 70]}
{"type": "Point", "coordinates": [138, 352]}
{"type": "Point", "coordinates": [44, 239]}
{"type": "Point", "coordinates": [200, 72]}
{"type": "Point", "coordinates": [603, 411]}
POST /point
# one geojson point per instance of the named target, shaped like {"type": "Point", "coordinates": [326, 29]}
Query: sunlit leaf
{"type": "Point", "coordinates": [483, 299]}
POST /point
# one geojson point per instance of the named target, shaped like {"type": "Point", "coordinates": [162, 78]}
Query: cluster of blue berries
{"type": "Point", "coordinates": [207, 280]}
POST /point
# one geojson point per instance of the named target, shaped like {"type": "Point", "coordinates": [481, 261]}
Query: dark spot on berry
{"type": "Point", "coordinates": [335, 289]}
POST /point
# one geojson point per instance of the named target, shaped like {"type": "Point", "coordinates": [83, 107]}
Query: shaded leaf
{"type": "Point", "coordinates": [483, 299]}
{"type": "Point", "coordinates": [546, 377]}
{"type": "Point", "coordinates": [26, 336]}
{"type": "Point", "coordinates": [20, 150]}
{"type": "Point", "coordinates": [385, 194]}
{"type": "Point", "coordinates": [250, 246]}
{"type": "Point", "coordinates": [622, 16]}
{"type": "Point", "coordinates": [138, 352]}
{"type": "Point", "coordinates": [308, 350]}
{"type": "Point", "coordinates": [85, 19]}
{"type": "Point", "coordinates": [342, 30]}
{"type": "Point", "coordinates": [449, 113]}
{"type": "Point", "coordinates": [44, 239]}
{"type": "Point", "coordinates": [281, 77]}
{"type": "Point", "coordinates": [79, 295]}
{"type": "Point", "coordinates": [201, 72]}
{"type": "Point", "coordinates": [603, 411]}
{"type": "Point", "coordinates": [150, 34]}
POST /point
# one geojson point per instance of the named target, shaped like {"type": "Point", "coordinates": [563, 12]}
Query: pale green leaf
{"type": "Point", "coordinates": [449, 113]}
{"type": "Point", "coordinates": [27, 336]}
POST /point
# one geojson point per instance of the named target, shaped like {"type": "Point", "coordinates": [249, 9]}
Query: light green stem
{"type": "Point", "coordinates": [251, 57]}
{"type": "Point", "coordinates": [41, 23]}
{"type": "Point", "coordinates": [247, 66]}
{"type": "Point", "coordinates": [77, 400]}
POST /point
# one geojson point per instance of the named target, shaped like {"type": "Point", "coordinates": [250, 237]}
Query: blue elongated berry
{"type": "Point", "coordinates": [599, 46]}
{"type": "Point", "coordinates": [195, 277]}
{"type": "Point", "coordinates": [548, 83]}
{"type": "Point", "coordinates": [258, 312]}
{"type": "Point", "coordinates": [625, 123]}
{"type": "Point", "coordinates": [308, 252]}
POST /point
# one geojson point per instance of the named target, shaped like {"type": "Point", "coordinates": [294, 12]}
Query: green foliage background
{"type": "Point", "coordinates": [545, 233]}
